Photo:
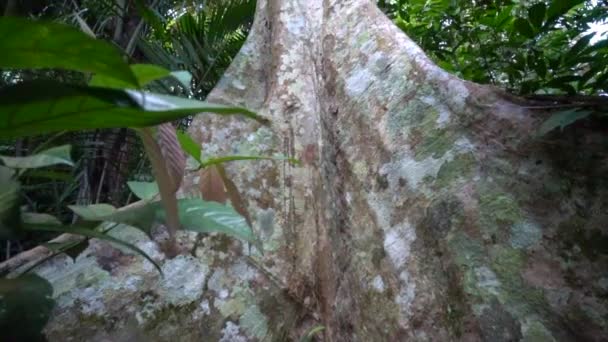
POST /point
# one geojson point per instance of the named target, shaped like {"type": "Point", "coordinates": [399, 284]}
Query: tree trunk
{"type": "Point", "coordinates": [426, 208]}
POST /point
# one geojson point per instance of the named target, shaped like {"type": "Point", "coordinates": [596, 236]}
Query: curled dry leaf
{"type": "Point", "coordinates": [234, 195]}
{"type": "Point", "coordinates": [216, 186]}
{"type": "Point", "coordinates": [171, 150]}
{"type": "Point", "coordinates": [165, 185]}
{"type": "Point", "coordinates": [212, 185]}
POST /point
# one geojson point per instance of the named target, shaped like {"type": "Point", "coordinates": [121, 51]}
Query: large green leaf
{"type": "Point", "coordinates": [52, 156]}
{"type": "Point", "coordinates": [194, 214]}
{"type": "Point", "coordinates": [209, 217]}
{"type": "Point", "coordinates": [144, 190]}
{"type": "Point", "coordinates": [25, 305]}
{"type": "Point", "coordinates": [140, 215]}
{"type": "Point", "coordinates": [39, 218]}
{"type": "Point", "coordinates": [576, 49]}
{"type": "Point", "coordinates": [523, 26]}
{"type": "Point", "coordinates": [28, 44]}
{"type": "Point", "coordinates": [183, 77]}
{"type": "Point", "coordinates": [536, 15]}
{"type": "Point", "coordinates": [144, 74]}
{"type": "Point", "coordinates": [91, 234]}
{"type": "Point", "coordinates": [189, 145]}
{"type": "Point", "coordinates": [40, 107]}
{"type": "Point", "coordinates": [562, 119]}
{"type": "Point", "coordinates": [558, 8]}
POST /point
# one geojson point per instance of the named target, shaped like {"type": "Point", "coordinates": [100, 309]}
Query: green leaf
{"type": "Point", "coordinates": [536, 15]}
{"type": "Point", "coordinates": [51, 174]}
{"type": "Point", "coordinates": [144, 190]}
{"type": "Point", "coordinates": [93, 212]}
{"type": "Point", "coordinates": [39, 218]}
{"type": "Point", "coordinates": [52, 156]}
{"type": "Point", "coordinates": [71, 248]}
{"type": "Point", "coordinates": [210, 217]}
{"type": "Point", "coordinates": [92, 234]}
{"type": "Point", "coordinates": [183, 77]}
{"type": "Point", "coordinates": [523, 27]}
{"type": "Point", "coordinates": [28, 44]}
{"type": "Point", "coordinates": [144, 73]}
{"type": "Point", "coordinates": [84, 27]}
{"type": "Point", "coordinates": [194, 214]}
{"type": "Point", "coordinates": [189, 145]}
{"type": "Point", "coordinates": [581, 44]}
{"type": "Point", "coordinates": [141, 215]}
{"type": "Point", "coordinates": [59, 247]}
{"type": "Point", "coordinates": [41, 107]}
{"type": "Point", "coordinates": [558, 8]}
{"type": "Point", "coordinates": [151, 18]}
{"type": "Point", "coordinates": [25, 306]}
{"type": "Point", "coordinates": [541, 68]}
{"type": "Point", "coordinates": [562, 119]}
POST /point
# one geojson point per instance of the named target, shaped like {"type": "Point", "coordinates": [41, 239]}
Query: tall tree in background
{"type": "Point", "coordinates": [542, 47]}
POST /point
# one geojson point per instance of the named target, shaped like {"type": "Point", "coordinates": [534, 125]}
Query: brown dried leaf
{"type": "Point", "coordinates": [212, 185]}
{"type": "Point", "coordinates": [234, 195]}
{"type": "Point", "coordinates": [175, 159]}
{"type": "Point", "coordinates": [163, 179]}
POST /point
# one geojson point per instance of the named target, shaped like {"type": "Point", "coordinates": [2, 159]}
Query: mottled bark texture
{"type": "Point", "coordinates": [425, 208]}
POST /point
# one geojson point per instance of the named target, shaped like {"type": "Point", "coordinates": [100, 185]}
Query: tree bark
{"type": "Point", "coordinates": [426, 208]}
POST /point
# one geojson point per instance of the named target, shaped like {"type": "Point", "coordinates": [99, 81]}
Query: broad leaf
{"type": "Point", "coordinates": [211, 185]}
{"type": "Point", "coordinates": [194, 214]}
{"type": "Point", "coordinates": [84, 27]}
{"type": "Point", "coordinates": [562, 119]}
{"type": "Point", "coordinates": [51, 174]}
{"type": "Point", "coordinates": [141, 215]}
{"type": "Point", "coordinates": [52, 156]}
{"type": "Point", "coordinates": [523, 27]}
{"type": "Point", "coordinates": [28, 44]}
{"type": "Point", "coordinates": [183, 77]}
{"type": "Point", "coordinates": [209, 217]}
{"type": "Point", "coordinates": [41, 107]}
{"type": "Point", "coordinates": [536, 15]}
{"type": "Point", "coordinates": [189, 145]}
{"type": "Point", "coordinates": [93, 212]}
{"type": "Point", "coordinates": [92, 234]}
{"type": "Point", "coordinates": [25, 306]}
{"type": "Point", "coordinates": [39, 218]}
{"type": "Point", "coordinates": [144, 74]}
{"type": "Point", "coordinates": [144, 190]}
{"type": "Point", "coordinates": [580, 45]}
{"type": "Point", "coordinates": [59, 246]}
{"type": "Point", "coordinates": [151, 18]}
{"type": "Point", "coordinates": [560, 7]}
